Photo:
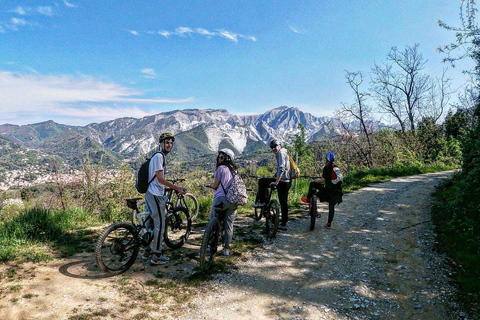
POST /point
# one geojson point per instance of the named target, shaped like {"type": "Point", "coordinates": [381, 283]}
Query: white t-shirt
{"type": "Point", "coordinates": [156, 164]}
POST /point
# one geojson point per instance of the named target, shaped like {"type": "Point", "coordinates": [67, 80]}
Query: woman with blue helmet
{"type": "Point", "coordinates": [327, 191]}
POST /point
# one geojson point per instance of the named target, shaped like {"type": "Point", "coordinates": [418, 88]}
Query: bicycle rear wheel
{"type": "Point", "coordinates": [190, 202]}
{"type": "Point", "coordinates": [313, 212]}
{"type": "Point", "coordinates": [272, 219]}
{"type": "Point", "coordinates": [140, 208]}
{"type": "Point", "coordinates": [210, 240]}
{"type": "Point", "coordinates": [177, 227]}
{"type": "Point", "coordinates": [117, 248]}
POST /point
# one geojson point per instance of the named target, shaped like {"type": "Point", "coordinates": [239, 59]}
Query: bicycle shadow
{"type": "Point", "coordinates": [83, 269]}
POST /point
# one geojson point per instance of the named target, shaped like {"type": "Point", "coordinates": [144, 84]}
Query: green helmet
{"type": "Point", "coordinates": [166, 135]}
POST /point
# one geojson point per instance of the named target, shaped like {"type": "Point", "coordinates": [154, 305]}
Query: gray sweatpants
{"type": "Point", "coordinates": [156, 207]}
{"type": "Point", "coordinates": [230, 216]}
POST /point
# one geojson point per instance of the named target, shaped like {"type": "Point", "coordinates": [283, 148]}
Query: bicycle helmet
{"type": "Point", "coordinates": [228, 152]}
{"type": "Point", "coordinates": [274, 143]}
{"type": "Point", "coordinates": [330, 156]}
{"type": "Point", "coordinates": [166, 135]}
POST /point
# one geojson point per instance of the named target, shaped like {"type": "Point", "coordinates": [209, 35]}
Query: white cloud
{"type": "Point", "coordinates": [296, 29]}
{"type": "Point", "coordinates": [228, 35]}
{"type": "Point", "coordinates": [19, 10]}
{"type": "Point", "coordinates": [135, 33]}
{"type": "Point", "coordinates": [183, 31]}
{"type": "Point", "coordinates": [47, 11]}
{"type": "Point", "coordinates": [164, 33]}
{"type": "Point", "coordinates": [18, 21]}
{"type": "Point", "coordinates": [187, 31]}
{"type": "Point", "coordinates": [204, 32]}
{"type": "Point", "coordinates": [148, 73]}
{"type": "Point", "coordinates": [69, 4]}
{"type": "Point", "coordinates": [37, 95]}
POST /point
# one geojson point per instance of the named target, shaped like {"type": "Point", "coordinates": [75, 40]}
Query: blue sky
{"type": "Point", "coordinates": [78, 62]}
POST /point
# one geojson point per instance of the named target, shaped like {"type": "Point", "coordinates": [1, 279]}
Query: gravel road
{"type": "Point", "coordinates": [376, 262]}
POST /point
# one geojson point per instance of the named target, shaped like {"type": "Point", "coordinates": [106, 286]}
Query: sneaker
{"type": "Point", "coordinates": [258, 205]}
{"type": "Point", "coordinates": [147, 255]}
{"type": "Point", "coordinates": [284, 228]}
{"type": "Point", "coordinates": [156, 260]}
{"type": "Point", "coordinates": [327, 225]}
{"type": "Point", "coordinates": [226, 251]}
{"type": "Point", "coordinates": [208, 248]}
{"type": "Point", "coordinates": [305, 199]}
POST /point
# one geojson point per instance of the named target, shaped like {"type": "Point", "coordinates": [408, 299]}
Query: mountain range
{"type": "Point", "coordinates": [198, 133]}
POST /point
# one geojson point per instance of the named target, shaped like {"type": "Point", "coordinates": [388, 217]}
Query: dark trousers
{"type": "Point", "coordinates": [282, 189]}
{"type": "Point", "coordinates": [323, 195]}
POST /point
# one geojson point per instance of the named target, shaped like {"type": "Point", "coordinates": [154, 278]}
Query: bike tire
{"type": "Point", "coordinates": [313, 212]}
{"type": "Point", "coordinates": [177, 227]}
{"type": "Point", "coordinates": [258, 213]}
{"type": "Point", "coordinates": [190, 202]}
{"type": "Point", "coordinates": [140, 208]}
{"type": "Point", "coordinates": [272, 219]}
{"type": "Point", "coordinates": [117, 248]}
{"type": "Point", "coordinates": [210, 239]}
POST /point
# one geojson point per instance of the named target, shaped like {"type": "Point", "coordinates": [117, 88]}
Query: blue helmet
{"type": "Point", "coordinates": [330, 156]}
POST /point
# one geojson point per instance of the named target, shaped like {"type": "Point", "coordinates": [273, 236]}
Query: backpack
{"type": "Point", "coordinates": [142, 182]}
{"type": "Point", "coordinates": [237, 192]}
{"type": "Point", "coordinates": [294, 171]}
{"type": "Point", "coordinates": [337, 175]}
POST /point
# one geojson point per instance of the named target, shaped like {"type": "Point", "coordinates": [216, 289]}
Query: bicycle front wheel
{"type": "Point", "coordinates": [177, 227]}
{"type": "Point", "coordinates": [209, 244]}
{"type": "Point", "coordinates": [272, 219]}
{"type": "Point", "coordinates": [190, 202]}
{"type": "Point", "coordinates": [313, 212]}
{"type": "Point", "coordinates": [117, 248]}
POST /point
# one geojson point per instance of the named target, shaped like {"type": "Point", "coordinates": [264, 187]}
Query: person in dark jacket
{"type": "Point", "coordinates": [326, 190]}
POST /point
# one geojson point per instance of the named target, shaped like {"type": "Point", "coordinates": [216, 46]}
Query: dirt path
{"type": "Point", "coordinates": [376, 262]}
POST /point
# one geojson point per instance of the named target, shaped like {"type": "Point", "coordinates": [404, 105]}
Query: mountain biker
{"type": "Point", "coordinates": [223, 179]}
{"type": "Point", "coordinates": [281, 180]}
{"type": "Point", "coordinates": [155, 199]}
{"type": "Point", "coordinates": [326, 190]}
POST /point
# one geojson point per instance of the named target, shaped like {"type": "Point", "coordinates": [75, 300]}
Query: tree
{"type": "Point", "coordinates": [400, 87]}
{"type": "Point", "coordinates": [430, 135]}
{"type": "Point", "coordinates": [468, 37]}
{"type": "Point", "coordinates": [357, 121]}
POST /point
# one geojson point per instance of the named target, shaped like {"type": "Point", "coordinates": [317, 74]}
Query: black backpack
{"type": "Point", "coordinates": [142, 174]}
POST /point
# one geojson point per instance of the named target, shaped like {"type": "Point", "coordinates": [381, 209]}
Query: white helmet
{"type": "Point", "coordinates": [228, 152]}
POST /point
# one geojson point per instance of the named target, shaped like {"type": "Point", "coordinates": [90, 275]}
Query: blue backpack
{"type": "Point", "coordinates": [142, 174]}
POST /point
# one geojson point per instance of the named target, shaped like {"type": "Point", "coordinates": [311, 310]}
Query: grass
{"type": "Point", "coordinates": [458, 237]}
{"type": "Point", "coordinates": [37, 234]}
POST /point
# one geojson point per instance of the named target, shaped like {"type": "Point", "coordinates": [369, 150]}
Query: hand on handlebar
{"type": "Point", "coordinates": [182, 190]}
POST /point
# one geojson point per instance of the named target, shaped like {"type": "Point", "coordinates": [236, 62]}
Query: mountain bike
{"type": "Point", "coordinates": [211, 238]}
{"type": "Point", "coordinates": [187, 200]}
{"type": "Point", "coordinates": [312, 206]}
{"type": "Point", "coordinates": [118, 245]}
{"type": "Point", "coordinates": [271, 212]}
